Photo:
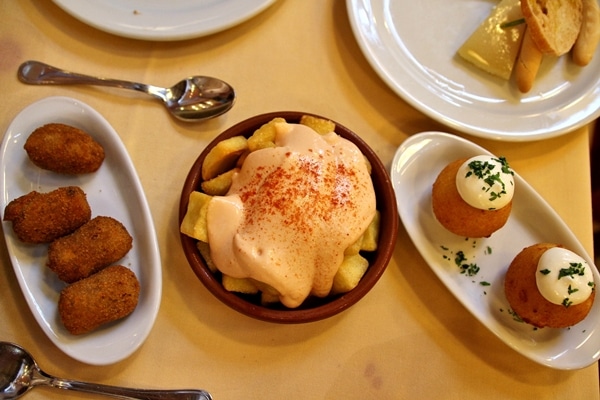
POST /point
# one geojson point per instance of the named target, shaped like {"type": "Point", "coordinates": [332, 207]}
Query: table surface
{"type": "Point", "coordinates": [408, 338]}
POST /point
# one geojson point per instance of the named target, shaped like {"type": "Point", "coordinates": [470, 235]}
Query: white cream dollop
{"type": "Point", "coordinates": [485, 182]}
{"type": "Point", "coordinates": [291, 212]}
{"type": "Point", "coordinates": [564, 277]}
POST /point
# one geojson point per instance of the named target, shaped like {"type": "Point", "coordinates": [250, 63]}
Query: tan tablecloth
{"type": "Point", "coordinates": [408, 338]}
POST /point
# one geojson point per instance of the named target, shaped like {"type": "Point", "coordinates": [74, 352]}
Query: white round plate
{"type": "Point", "coordinates": [415, 167]}
{"type": "Point", "coordinates": [162, 20]}
{"type": "Point", "coordinates": [412, 46]}
{"type": "Point", "coordinates": [114, 190]}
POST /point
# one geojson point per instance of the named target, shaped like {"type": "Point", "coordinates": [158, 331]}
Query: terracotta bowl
{"type": "Point", "coordinates": [313, 309]}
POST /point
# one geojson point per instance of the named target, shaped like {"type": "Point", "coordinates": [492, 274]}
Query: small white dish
{"type": "Point", "coordinates": [115, 191]}
{"type": "Point", "coordinates": [415, 167]}
{"type": "Point", "coordinates": [163, 20]}
{"type": "Point", "coordinates": [412, 46]}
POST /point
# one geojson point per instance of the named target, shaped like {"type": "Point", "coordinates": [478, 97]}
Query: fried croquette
{"type": "Point", "coordinates": [43, 217]}
{"type": "Point", "coordinates": [458, 216]}
{"type": "Point", "coordinates": [106, 296]}
{"type": "Point", "coordinates": [528, 303]}
{"type": "Point", "coordinates": [64, 149]}
{"type": "Point", "coordinates": [95, 245]}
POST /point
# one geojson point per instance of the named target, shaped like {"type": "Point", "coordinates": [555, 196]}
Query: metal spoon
{"type": "Point", "coordinates": [193, 99]}
{"type": "Point", "coordinates": [19, 372]}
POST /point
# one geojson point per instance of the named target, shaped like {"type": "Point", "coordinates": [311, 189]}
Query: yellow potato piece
{"type": "Point", "coordinates": [371, 235]}
{"type": "Point", "coordinates": [238, 285]}
{"type": "Point", "coordinates": [349, 274]}
{"type": "Point", "coordinates": [319, 125]}
{"type": "Point", "coordinates": [267, 298]}
{"type": "Point", "coordinates": [268, 294]}
{"type": "Point", "coordinates": [194, 222]}
{"type": "Point", "coordinates": [219, 185]}
{"type": "Point", "coordinates": [204, 250]}
{"type": "Point", "coordinates": [264, 137]}
{"type": "Point", "coordinates": [355, 247]}
{"type": "Point", "coordinates": [223, 156]}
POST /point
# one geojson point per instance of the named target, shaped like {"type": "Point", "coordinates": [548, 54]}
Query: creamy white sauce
{"type": "Point", "coordinates": [485, 182]}
{"type": "Point", "coordinates": [291, 212]}
{"type": "Point", "coordinates": [573, 286]}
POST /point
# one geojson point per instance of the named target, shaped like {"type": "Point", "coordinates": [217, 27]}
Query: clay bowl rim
{"type": "Point", "coordinates": [325, 308]}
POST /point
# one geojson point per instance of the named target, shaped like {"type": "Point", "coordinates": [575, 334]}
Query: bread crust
{"type": "Point", "coordinates": [458, 216]}
{"type": "Point", "coordinates": [554, 24]}
{"type": "Point", "coordinates": [527, 302]}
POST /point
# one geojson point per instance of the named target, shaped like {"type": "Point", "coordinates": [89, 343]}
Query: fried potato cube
{"type": "Point", "coordinates": [349, 274]}
{"type": "Point", "coordinates": [223, 156]}
{"type": "Point", "coordinates": [371, 235]}
{"type": "Point", "coordinates": [238, 285]}
{"type": "Point", "coordinates": [355, 247]}
{"type": "Point", "coordinates": [264, 137]}
{"type": "Point", "coordinates": [219, 185]}
{"type": "Point", "coordinates": [267, 298]}
{"type": "Point", "coordinates": [268, 294]}
{"type": "Point", "coordinates": [204, 249]}
{"type": "Point", "coordinates": [319, 125]}
{"type": "Point", "coordinates": [194, 222]}
{"type": "Point", "coordinates": [242, 158]}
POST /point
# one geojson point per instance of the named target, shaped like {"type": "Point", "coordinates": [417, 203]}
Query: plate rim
{"type": "Point", "coordinates": [194, 28]}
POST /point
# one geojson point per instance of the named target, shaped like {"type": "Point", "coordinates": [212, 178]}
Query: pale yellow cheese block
{"type": "Point", "coordinates": [492, 48]}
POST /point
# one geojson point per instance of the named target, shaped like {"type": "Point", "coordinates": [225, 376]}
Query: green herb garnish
{"type": "Point", "coordinates": [483, 170]}
{"type": "Point", "coordinates": [574, 269]}
{"type": "Point", "coordinates": [513, 23]}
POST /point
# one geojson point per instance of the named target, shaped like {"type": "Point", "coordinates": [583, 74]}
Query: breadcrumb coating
{"type": "Point", "coordinates": [64, 149]}
{"type": "Point", "coordinates": [43, 217]}
{"type": "Point", "coordinates": [95, 245]}
{"type": "Point", "coordinates": [104, 297]}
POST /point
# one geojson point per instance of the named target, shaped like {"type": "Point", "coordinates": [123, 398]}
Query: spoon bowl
{"type": "Point", "coordinates": [19, 373]}
{"type": "Point", "coordinates": [193, 99]}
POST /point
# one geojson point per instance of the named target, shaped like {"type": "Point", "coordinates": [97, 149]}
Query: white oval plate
{"type": "Point", "coordinates": [114, 190]}
{"type": "Point", "coordinates": [412, 46]}
{"type": "Point", "coordinates": [162, 20]}
{"type": "Point", "coordinates": [415, 167]}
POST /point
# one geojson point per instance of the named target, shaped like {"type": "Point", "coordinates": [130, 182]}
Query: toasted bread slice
{"type": "Point", "coordinates": [554, 24]}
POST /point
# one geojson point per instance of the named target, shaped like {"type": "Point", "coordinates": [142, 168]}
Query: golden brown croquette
{"type": "Point", "coordinates": [106, 296]}
{"type": "Point", "coordinates": [527, 302]}
{"type": "Point", "coordinates": [457, 215]}
{"type": "Point", "coordinates": [43, 217]}
{"type": "Point", "coordinates": [95, 245]}
{"type": "Point", "coordinates": [64, 149]}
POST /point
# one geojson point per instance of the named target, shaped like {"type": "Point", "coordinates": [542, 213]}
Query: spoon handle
{"type": "Point", "coordinates": [42, 378]}
{"type": "Point", "coordinates": [37, 73]}
{"type": "Point", "coordinates": [130, 393]}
